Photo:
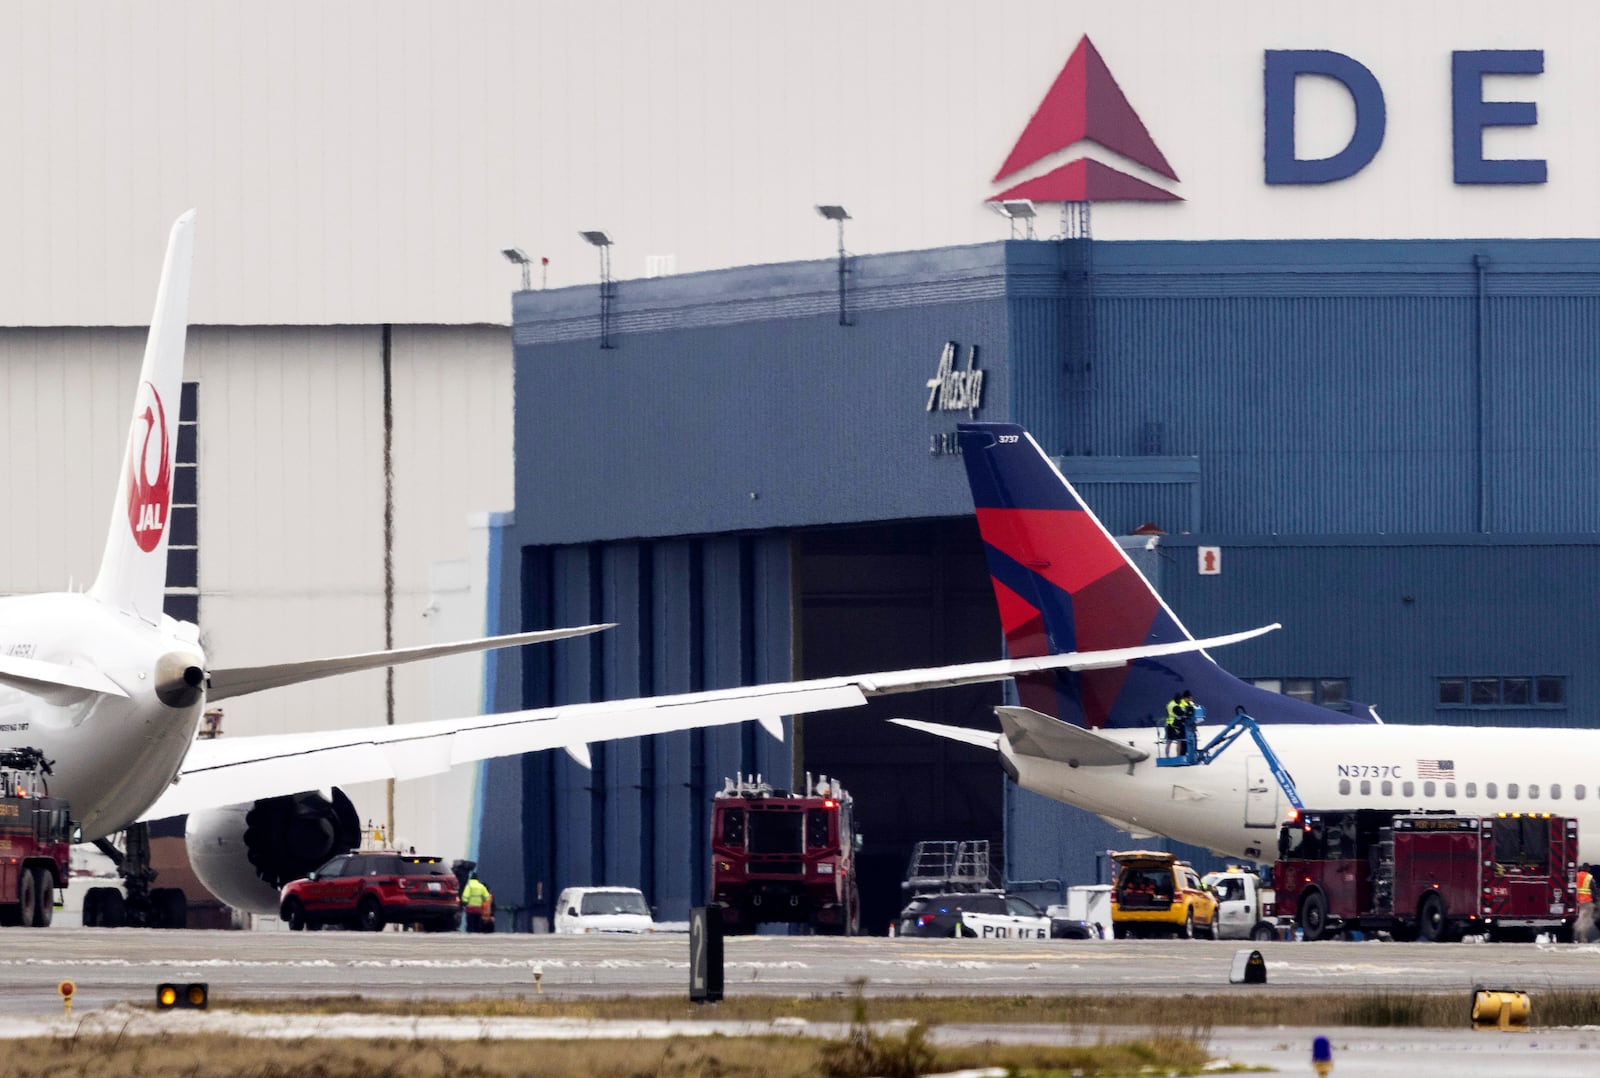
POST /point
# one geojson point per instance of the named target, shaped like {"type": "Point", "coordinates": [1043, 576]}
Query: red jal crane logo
{"type": "Point", "coordinates": [149, 499]}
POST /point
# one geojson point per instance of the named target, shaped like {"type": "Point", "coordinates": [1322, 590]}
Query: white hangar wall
{"type": "Point", "coordinates": [365, 162]}
{"type": "Point", "coordinates": [291, 500]}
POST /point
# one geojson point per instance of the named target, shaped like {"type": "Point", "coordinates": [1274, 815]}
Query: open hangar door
{"type": "Point", "coordinates": [886, 597]}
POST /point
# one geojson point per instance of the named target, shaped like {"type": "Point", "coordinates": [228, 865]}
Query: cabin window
{"type": "Point", "coordinates": [1533, 791]}
{"type": "Point", "coordinates": [1366, 786]}
{"type": "Point", "coordinates": [1388, 788]}
{"type": "Point", "coordinates": [1555, 791]}
{"type": "Point", "coordinates": [1449, 789]}
{"type": "Point", "coordinates": [1427, 789]}
{"type": "Point", "coordinates": [1472, 789]}
{"type": "Point", "coordinates": [1344, 786]}
{"type": "Point", "coordinates": [1511, 791]}
{"type": "Point", "coordinates": [1491, 790]}
{"type": "Point", "coordinates": [1579, 792]}
{"type": "Point", "coordinates": [1408, 789]}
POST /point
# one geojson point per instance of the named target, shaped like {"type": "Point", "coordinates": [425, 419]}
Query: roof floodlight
{"type": "Point", "coordinates": [1017, 209]}
{"type": "Point", "coordinates": [515, 256]}
{"type": "Point", "coordinates": [601, 242]}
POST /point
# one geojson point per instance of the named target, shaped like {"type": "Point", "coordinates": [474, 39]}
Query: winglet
{"type": "Point", "coordinates": [133, 569]}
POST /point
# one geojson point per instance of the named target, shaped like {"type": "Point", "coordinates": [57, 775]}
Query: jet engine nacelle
{"type": "Point", "coordinates": [245, 853]}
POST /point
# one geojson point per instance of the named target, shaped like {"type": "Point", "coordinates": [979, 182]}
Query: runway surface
{"type": "Point", "coordinates": [114, 964]}
{"type": "Point", "coordinates": [112, 969]}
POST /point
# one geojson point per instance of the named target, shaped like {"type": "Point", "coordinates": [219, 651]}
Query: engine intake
{"type": "Point", "coordinates": [245, 853]}
{"type": "Point", "coordinates": [290, 836]}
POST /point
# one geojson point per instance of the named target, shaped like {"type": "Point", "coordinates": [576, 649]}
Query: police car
{"type": "Point", "coordinates": [973, 915]}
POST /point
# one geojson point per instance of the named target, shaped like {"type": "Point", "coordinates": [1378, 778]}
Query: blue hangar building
{"type": "Point", "coordinates": [1391, 447]}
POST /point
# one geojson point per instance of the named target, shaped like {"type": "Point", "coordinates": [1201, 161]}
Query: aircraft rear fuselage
{"type": "Point", "coordinates": [113, 756]}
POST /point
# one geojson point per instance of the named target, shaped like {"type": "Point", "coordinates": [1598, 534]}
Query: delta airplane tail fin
{"type": "Point", "coordinates": [1063, 584]}
{"type": "Point", "coordinates": [133, 570]}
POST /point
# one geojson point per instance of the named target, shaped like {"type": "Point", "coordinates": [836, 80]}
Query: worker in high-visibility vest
{"type": "Point", "coordinates": [1583, 931]}
{"type": "Point", "coordinates": [1180, 722]}
{"type": "Point", "coordinates": [475, 896]}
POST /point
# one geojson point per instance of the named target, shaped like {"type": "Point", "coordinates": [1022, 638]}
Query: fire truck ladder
{"type": "Point", "coordinates": [1241, 724]}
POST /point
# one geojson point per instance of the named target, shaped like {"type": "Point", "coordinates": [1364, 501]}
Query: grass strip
{"type": "Point", "coordinates": [226, 1056]}
{"type": "Point", "coordinates": [1235, 1005]}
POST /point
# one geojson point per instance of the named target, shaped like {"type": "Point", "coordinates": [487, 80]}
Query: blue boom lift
{"type": "Point", "coordinates": [1241, 724]}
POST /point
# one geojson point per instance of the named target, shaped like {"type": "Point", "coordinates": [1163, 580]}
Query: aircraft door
{"type": "Point", "coordinates": [1261, 793]}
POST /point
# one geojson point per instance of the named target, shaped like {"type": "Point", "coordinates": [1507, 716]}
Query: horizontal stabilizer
{"type": "Point", "coordinates": [33, 675]}
{"type": "Point", "coordinates": [983, 739]}
{"type": "Point", "coordinates": [1032, 734]}
{"type": "Point", "coordinates": [247, 679]}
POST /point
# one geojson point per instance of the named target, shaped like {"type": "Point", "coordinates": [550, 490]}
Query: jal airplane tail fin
{"type": "Point", "coordinates": [133, 570]}
{"type": "Point", "coordinates": [1063, 584]}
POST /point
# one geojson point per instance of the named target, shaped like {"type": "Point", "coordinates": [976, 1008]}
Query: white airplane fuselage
{"type": "Point", "coordinates": [113, 756]}
{"type": "Point", "coordinates": [1233, 805]}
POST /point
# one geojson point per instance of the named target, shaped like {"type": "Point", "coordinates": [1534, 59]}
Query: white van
{"type": "Point", "coordinates": [603, 909]}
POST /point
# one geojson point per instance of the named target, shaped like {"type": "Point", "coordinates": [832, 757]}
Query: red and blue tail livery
{"type": "Point", "coordinates": [1062, 583]}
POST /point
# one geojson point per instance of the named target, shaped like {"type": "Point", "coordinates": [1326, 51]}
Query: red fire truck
{"type": "Point", "coordinates": [782, 856]}
{"type": "Point", "coordinates": [1428, 876]}
{"type": "Point", "coordinates": [35, 840]}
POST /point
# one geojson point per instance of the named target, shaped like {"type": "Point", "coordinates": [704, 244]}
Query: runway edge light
{"type": "Point", "coordinates": [1322, 1057]}
{"type": "Point", "coordinates": [193, 996]}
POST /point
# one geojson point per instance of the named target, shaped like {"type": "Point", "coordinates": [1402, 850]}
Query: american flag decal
{"type": "Point", "coordinates": [1436, 769]}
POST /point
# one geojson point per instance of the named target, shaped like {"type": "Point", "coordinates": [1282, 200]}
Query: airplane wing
{"type": "Point", "coordinates": [247, 679]}
{"type": "Point", "coordinates": [230, 771]}
{"type": "Point", "coordinates": [36, 676]}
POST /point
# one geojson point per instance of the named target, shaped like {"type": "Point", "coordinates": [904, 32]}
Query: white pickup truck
{"type": "Point", "coordinates": [1244, 906]}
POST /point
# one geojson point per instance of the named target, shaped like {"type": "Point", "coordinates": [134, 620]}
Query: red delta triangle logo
{"type": "Point", "coordinates": [149, 500]}
{"type": "Point", "coordinates": [1085, 103]}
